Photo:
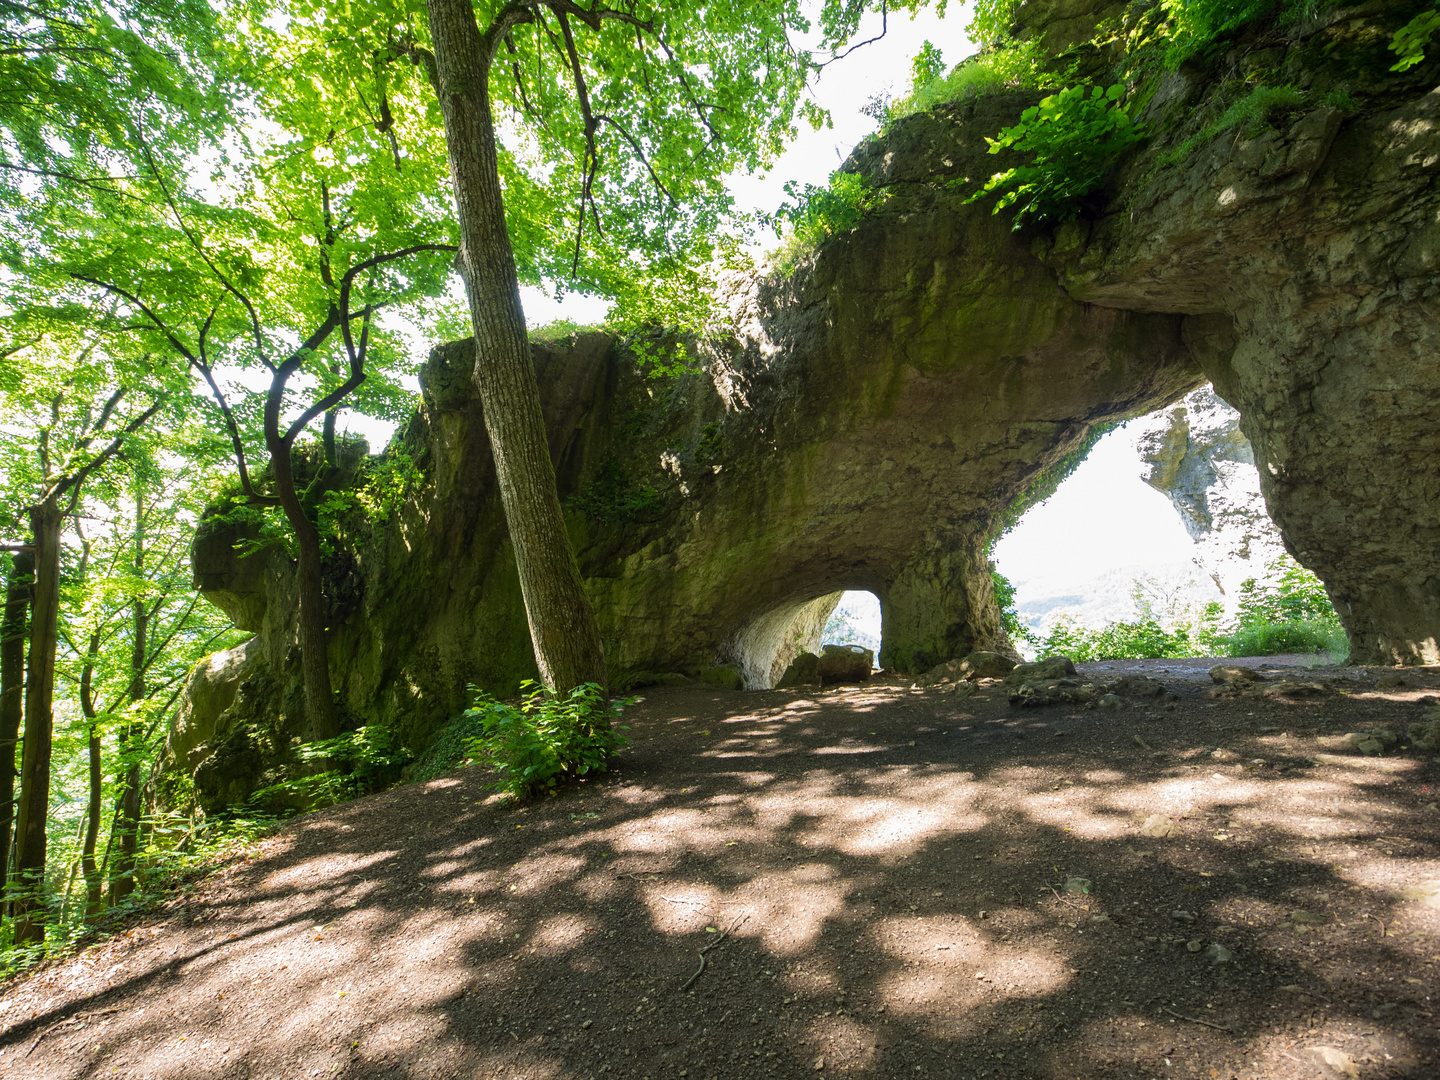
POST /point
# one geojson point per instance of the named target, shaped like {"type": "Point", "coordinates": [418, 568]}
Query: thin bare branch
{"type": "Point", "coordinates": [639, 152]}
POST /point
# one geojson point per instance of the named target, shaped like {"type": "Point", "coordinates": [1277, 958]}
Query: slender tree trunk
{"type": "Point", "coordinates": [92, 808]}
{"type": "Point", "coordinates": [12, 693]}
{"type": "Point", "coordinates": [314, 655]}
{"type": "Point", "coordinates": [124, 883]}
{"type": "Point", "coordinates": [562, 623]}
{"type": "Point", "coordinates": [45, 522]}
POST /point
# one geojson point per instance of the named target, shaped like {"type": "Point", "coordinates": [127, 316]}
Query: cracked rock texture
{"type": "Point", "coordinates": [1305, 256]}
{"type": "Point", "coordinates": [1196, 454]}
{"type": "Point", "coordinates": [865, 422]}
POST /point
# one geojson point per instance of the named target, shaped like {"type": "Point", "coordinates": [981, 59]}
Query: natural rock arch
{"type": "Point", "coordinates": [868, 419]}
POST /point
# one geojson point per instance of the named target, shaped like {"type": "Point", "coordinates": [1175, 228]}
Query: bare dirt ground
{"type": "Point", "coordinates": [887, 881]}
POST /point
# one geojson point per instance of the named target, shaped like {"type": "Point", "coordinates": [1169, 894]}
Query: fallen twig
{"type": "Point", "coordinates": [1077, 907]}
{"type": "Point", "coordinates": [701, 969]}
{"type": "Point", "coordinates": [1194, 1019]}
{"type": "Point", "coordinates": [1377, 920]}
{"type": "Point", "coordinates": [1143, 744]}
{"type": "Point", "coordinates": [677, 900]}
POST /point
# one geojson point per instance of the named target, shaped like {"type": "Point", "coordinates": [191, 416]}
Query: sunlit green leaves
{"type": "Point", "coordinates": [1070, 139]}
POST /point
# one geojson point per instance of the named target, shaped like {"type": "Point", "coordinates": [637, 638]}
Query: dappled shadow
{"type": "Point", "coordinates": [882, 876]}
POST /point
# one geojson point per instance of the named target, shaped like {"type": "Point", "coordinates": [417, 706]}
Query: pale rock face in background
{"type": "Point", "coordinates": [1195, 453]}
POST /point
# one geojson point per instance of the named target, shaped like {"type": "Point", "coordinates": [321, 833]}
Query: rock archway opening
{"type": "Point", "coordinates": [856, 620]}
{"type": "Point", "coordinates": [1163, 516]}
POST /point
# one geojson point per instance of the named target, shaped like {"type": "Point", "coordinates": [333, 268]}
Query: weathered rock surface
{"type": "Point", "coordinates": [845, 663]}
{"type": "Point", "coordinates": [867, 419]}
{"type": "Point", "coordinates": [978, 665]}
{"type": "Point", "coordinates": [1305, 258]}
{"type": "Point", "coordinates": [1052, 681]}
{"type": "Point", "coordinates": [1196, 454]}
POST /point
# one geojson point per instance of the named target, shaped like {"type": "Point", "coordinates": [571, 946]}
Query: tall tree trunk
{"type": "Point", "coordinates": [562, 623]}
{"type": "Point", "coordinates": [314, 655]}
{"type": "Point", "coordinates": [129, 823]}
{"type": "Point", "coordinates": [45, 521]}
{"type": "Point", "coordinates": [12, 692]}
{"type": "Point", "coordinates": [92, 807]}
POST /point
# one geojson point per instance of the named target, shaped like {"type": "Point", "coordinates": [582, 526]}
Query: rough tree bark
{"type": "Point", "coordinates": [130, 734]}
{"type": "Point", "coordinates": [563, 628]}
{"type": "Point", "coordinates": [92, 806]}
{"type": "Point", "coordinates": [314, 652]}
{"type": "Point", "coordinates": [12, 692]}
{"type": "Point", "coordinates": [46, 518]}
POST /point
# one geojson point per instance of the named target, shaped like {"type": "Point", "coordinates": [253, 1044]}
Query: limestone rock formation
{"type": "Point", "coordinates": [866, 420]}
{"type": "Point", "coordinates": [1196, 454]}
{"type": "Point", "coordinates": [1304, 256]}
{"type": "Point", "coordinates": [845, 663]}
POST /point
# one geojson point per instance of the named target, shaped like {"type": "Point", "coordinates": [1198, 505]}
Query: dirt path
{"type": "Point", "coordinates": [891, 866]}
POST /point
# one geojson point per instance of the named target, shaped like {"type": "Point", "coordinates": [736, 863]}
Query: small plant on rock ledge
{"type": "Point", "coordinates": [1071, 139]}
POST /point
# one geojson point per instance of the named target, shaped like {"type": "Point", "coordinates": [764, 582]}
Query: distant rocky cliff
{"type": "Point", "coordinates": [1196, 454]}
{"type": "Point", "coordinates": [867, 420]}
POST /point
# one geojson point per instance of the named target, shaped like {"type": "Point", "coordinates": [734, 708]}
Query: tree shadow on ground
{"type": "Point", "coordinates": [888, 884]}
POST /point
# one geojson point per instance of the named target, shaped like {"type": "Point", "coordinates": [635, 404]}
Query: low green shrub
{"type": "Point", "coordinates": [450, 748]}
{"type": "Point", "coordinates": [1286, 611]}
{"type": "Point", "coordinates": [1249, 114]}
{"type": "Point", "coordinates": [1300, 636]}
{"type": "Point", "coordinates": [1142, 640]}
{"type": "Point", "coordinates": [355, 763]}
{"type": "Point", "coordinates": [1008, 66]}
{"type": "Point", "coordinates": [813, 214]}
{"type": "Point", "coordinates": [546, 738]}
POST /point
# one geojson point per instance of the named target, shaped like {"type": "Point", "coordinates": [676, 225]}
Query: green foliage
{"type": "Point", "coordinates": [1286, 611]}
{"type": "Point", "coordinates": [1196, 26]}
{"type": "Point", "coordinates": [1411, 39]}
{"type": "Point", "coordinates": [927, 64]}
{"type": "Point", "coordinates": [1142, 639]}
{"type": "Point", "coordinates": [814, 214]}
{"type": "Point", "coordinates": [1300, 636]}
{"type": "Point", "coordinates": [990, 21]}
{"type": "Point", "coordinates": [1071, 138]}
{"type": "Point", "coordinates": [379, 488]}
{"type": "Point", "coordinates": [1288, 593]}
{"type": "Point", "coordinates": [1249, 114]}
{"type": "Point", "coordinates": [351, 764]}
{"type": "Point", "coordinates": [560, 330]}
{"type": "Point", "coordinates": [1012, 65]}
{"type": "Point", "coordinates": [449, 749]}
{"type": "Point", "coordinates": [613, 496]}
{"type": "Point", "coordinates": [547, 739]}
{"type": "Point", "coordinates": [1018, 633]}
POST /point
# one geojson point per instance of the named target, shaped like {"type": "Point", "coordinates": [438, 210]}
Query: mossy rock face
{"type": "Point", "coordinates": [873, 415]}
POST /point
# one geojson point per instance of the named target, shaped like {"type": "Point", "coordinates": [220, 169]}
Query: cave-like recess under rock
{"type": "Point", "coordinates": [865, 421]}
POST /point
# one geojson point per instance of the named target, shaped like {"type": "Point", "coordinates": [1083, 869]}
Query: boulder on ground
{"type": "Point", "coordinates": [978, 665]}
{"type": "Point", "coordinates": [1052, 681]}
{"type": "Point", "coordinates": [804, 670]}
{"type": "Point", "coordinates": [845, 663]}
{"type": "Point", "coordinates": [1305, 691]}
{"type": "Point", "coordinates": [1139, 686]}
{"type": "Point", "coordinates": [1371, 743]}
{"type": "Point", "coordinates": [1426, 734]}
{"type": "Point", "coordinates": [1234, 673]}
{"type": "Point", "coordinates": [1052, 667]}
{"type": "Point", "coordinates": [726, 675]}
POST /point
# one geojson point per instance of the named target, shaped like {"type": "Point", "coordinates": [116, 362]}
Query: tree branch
{"type": "Point", "coordinates": [344, 317]}
{"type": "Point", "coordinates": [635, 145]}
